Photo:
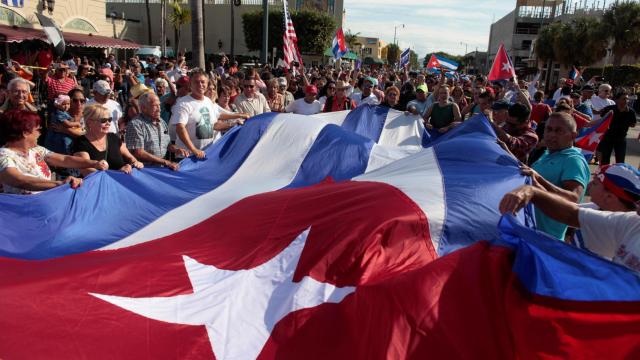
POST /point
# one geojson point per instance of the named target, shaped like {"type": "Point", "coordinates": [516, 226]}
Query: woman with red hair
{"type": "Point", "coordinates": [24, 166]}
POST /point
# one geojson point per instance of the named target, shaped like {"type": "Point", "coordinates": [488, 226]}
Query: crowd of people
{"type": "Point", "coordinates": [104, 114]}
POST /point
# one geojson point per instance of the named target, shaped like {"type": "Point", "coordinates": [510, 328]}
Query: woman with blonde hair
{"type": "Point", "coordinates": [99, 144]}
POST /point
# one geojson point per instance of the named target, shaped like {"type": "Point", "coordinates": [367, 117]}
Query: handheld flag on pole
{"type": "Point", "coordinates": [589, 138]}
{"type": "Point", "coordinates": [405, 57]}
{"type": "Point", "coordinates": [437, 62]}
{"type": "Point", "coordinates": [53, 33]}
{"type": "Point", "coordinates": [502, 68]}
{"type": "Point", "coordinates": [290, 40]}
{"type": "Point", "coordinates": [574, 74]}
{"type": "Point", "coordinates": [339, 46]}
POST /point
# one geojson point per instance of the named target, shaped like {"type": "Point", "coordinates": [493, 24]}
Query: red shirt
{"type": "Point", "coordinates": [56, 87]}
{"type": "Point", "coordinates": [539, 112]}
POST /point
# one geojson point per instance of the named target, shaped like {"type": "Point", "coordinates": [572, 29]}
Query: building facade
{"type": "Point", "coordinates": [83, 16]}
{"type": "Point", "coordinates": [519, 29]}
{"type": "Point", "coordinates": [223, 30]}
{"type": "Point", "coordinates": [370, 47]}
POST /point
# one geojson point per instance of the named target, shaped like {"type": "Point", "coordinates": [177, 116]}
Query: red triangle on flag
{"type": "Point", "coordinates": [502, 68]}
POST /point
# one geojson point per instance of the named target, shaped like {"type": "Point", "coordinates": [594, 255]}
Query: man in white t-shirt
{"type": "Point", "coordinates": [308, 105]}
{"type": "Point", "coordinates": [366, 96]}
{"type": "Point", "coordinates": [101, 95]}
{"type": "Point", "coordinates": [614, 235]}
{"type": "Point", "coordinates": [601, 101]}
{"type": "Point", "coordinates": [197, 120]}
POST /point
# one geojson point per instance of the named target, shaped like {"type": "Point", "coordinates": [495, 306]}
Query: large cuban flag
{"type": "Point", "coordinates": [338, 235]}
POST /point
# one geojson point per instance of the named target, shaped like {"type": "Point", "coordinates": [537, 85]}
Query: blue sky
{"type": "Point", "coordinates": [430, 25]}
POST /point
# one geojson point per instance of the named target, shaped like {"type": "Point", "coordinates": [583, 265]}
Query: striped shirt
{"type": "Point", "coordinates": [56, 87]}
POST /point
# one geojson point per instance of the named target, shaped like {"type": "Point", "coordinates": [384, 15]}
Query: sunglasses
{"type": "Point", "coordinates": [250, 86]}
{"type": "Point", "coordinates": [105, 120]}
{"type": "Point", "coordinates": [82, 101]}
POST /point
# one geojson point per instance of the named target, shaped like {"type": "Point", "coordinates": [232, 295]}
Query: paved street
{"type": "Point", "coordinates": [633, 146]}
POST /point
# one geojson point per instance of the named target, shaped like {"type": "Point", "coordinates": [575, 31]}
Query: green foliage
{"type": "Point", "coordinates": [181, 14]}
{"type": "Point", "coordinates": [393, 54]}
{"type": "Point", "coordinates": [584, 40]}
{"type": "Point", "coordinates": [545, 43]}
{"type": "Point", "coordinates": [352, 39]}
{"type": "Point", "coordinates": [624, 75]}
{"type": "Point", "coordinates": [314, 30]}
{"type": "Point", "coordinates": [413, 59]}
{"type": "Point", "coordinates": [622, 24]}
{"type": "Point", "coordinates": [579, 42]}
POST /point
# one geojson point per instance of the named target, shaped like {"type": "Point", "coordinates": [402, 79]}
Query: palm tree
{"type": "Point", "coordinates": [181, 15]}
{"type": "Point", "coordinates": [197, 33]}
{"type": "Point", "coordinates": [352, 39]}
{"type": "Point", "coordinates": [622, 23]}
{"type": "Point", "coordinates": [146, 5]}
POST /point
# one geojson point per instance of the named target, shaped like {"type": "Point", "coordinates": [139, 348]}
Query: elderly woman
{"type": "Point", "coordinates": [392, 98]}
{"type": "Point", "coordinates": [444, 114]}
{"type": "Point", "coordinates": [24, 166]}
{"type": "Point", "coordinates": [275, 100]}
{"type": "Point", "coordinates": [99, 144]}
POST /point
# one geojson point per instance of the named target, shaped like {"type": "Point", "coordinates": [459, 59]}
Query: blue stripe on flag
{"type": "Point", "coordinates": [551, 268]}
{"type": "Point", "coordinates": [367, 120]}
{"type": "Point", "coordinates": [112, 205]}
{"type": "Point", "coordinates": [472, 201]}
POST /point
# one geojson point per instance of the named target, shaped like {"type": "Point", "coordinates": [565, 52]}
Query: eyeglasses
{"type": "Point", "coordinates": [105, 120]}
{"type": "Point", "coordinates": [82, 101]}
{"type": "Point", "coordinates": [392, 94]}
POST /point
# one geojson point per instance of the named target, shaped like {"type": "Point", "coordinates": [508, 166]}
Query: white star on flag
{"type": "Point", "coordinates": [595, 137]}
{"type": "Point", "coordinates": [238, 308]}
{"type": "Point", "coordinates": [506, 66]}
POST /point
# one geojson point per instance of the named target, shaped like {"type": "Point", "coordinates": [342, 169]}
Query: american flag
{"type": "Point", "coordinates": [290, 40]}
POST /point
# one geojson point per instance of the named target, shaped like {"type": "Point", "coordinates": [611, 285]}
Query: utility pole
{"type": "Point", "coordinates": [163, 27]}
{"type": "Point", "coordinates": [197, 39]}
{"type": "Point", "coordinates": [395, 30]}
{"type": "Point", "coordinates": [265, 32]}
{"type": "Point", "coordinates": [233, 30]}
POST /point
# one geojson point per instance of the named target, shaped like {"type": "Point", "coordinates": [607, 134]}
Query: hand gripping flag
{"type": "Point", "coordinates": [290, 39]}
{"type": "Point", "coordinates": [322, 247]}
{"type": "Point", "coordinates": [502, 68]}
{"type": "Point", "coordinates": [589, 138]}
{"type": "Point", "coordinates": [339, 45]}
{"type": "Point", "coordinates": [439, 62]}
{"type": "Point", "coordinates": [405, 58]}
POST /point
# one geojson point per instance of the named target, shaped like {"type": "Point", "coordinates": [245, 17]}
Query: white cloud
{"type": "Point", "coordinates": [430, 25]}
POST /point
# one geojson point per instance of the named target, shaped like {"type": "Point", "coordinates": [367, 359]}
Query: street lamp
{"type": "Point", "coordinates": [395, 29]}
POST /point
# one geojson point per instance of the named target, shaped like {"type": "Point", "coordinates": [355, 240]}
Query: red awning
{"type": "Point", "coordinates": [96, 41]}
{"type": "Point", "coordinates": [19, 34]}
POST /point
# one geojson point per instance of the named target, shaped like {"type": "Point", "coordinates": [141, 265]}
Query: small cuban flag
{"type": "Point", "coordinates": [405, 57]}
{"type": "Point", "coordinates": [339, 47]}
{"type": "Point", "coordinates": [589, 138]}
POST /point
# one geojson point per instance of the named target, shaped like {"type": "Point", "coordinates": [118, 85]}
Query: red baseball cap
{"type": "Point", "coordinates": [183, 81]}
{"type": "Point", "coordinates": [311, 89]}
